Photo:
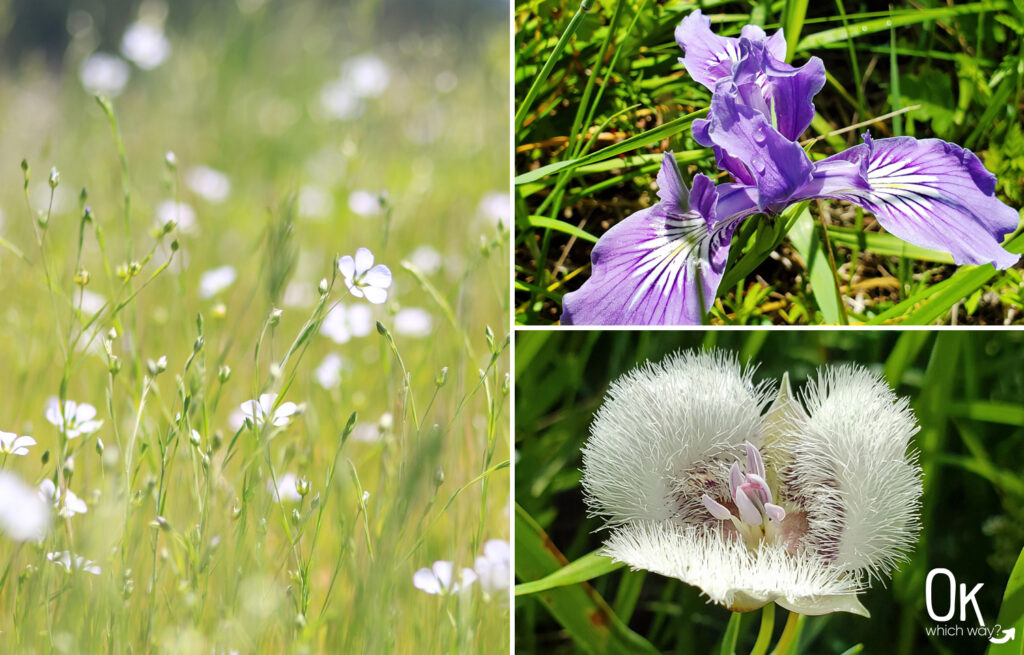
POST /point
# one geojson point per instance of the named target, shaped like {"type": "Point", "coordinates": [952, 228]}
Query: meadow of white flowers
{"type": "Point", "coordinates": [254, 349]}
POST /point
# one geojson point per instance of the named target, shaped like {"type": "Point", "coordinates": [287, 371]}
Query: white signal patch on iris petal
{"type": "Point", "coordinates": [671, 256]}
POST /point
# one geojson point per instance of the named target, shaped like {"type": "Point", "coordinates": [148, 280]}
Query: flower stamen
{"type": "Point", "coordinates": [752, 498]}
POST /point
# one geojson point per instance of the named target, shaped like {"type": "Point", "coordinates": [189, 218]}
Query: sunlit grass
{"type": "Point", "coordinates": [401, 435]}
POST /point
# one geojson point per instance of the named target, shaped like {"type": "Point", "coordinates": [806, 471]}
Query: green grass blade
{"type": "Point", "coordinates": [804, 238]}
{"type": "Point", "coordinates": [1011, 612]}
{"type": "Point", "coordinates": [732, 633]}
{"type": "Point", "coordinates": [531, 95]}
{"type": "Point", "coordinates": [793, 22]}
{"type": "Point", "coordinates": [579, 609]}
{"type": "Point", "coordinates": [898, 19]}
{"type": "Point", "coordinates": [588, 567]}
{"type": "Point", "coordinates": [561, 226]}
{"type": "Point", "coordinates": [654, 135]}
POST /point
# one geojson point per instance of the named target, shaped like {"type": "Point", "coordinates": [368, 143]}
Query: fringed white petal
{"type": "Point", "coordinates": [731, 574]}
{"type": "Point", "coordinates": [857, 484]}
{"type": "Point", "coordinates": [663, 423]}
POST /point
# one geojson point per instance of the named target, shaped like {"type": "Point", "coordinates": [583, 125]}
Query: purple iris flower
{"type": "Point", "coordinates": [662, 265]}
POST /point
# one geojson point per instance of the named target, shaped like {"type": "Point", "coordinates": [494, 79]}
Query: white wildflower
{"type": "Point", "coordinates": [74, 419]}
{"type": "Point", "coordinates": [67, 503]}
{"type": "Point", "coordinates": [328, 373]}
{"type": "Point", "coordinates": [145, 45]}
{"type": "Point", "coordinates": [68, 560]}
{"type": "Point", "coordinates": [180, 213]}
{"type": "Point", "coordinates": [493, 568]}
{"type": "Point", "coordinates": [12, 444]}
{"type": "Point", "coordinates": [427, 259]}
{"type": "Point", "coordinates": [825, 500]}
{"type": "Point", "coordinates": [363, 279]}
{"type": "Point", "coordinates": [344, 323]}
{"type": "Point", "coordinates": [414, 322]}
{"type": "Point", "coordinates": [103, 73]}
{"type": "Point", "coordinates": [496, 207]}
{"type": "Point", "coordinates": [262, 411]}
{"type": "Point", "coordinates": [216, 280]}
{"type": "Point", "coordinates": [365, 203]}
{"type": "Point", "coordinates": [213, 185]}
{"type": "Point", "coordinates": [285, 489]}
{"type": "Point", "coordinates": [23, 516]}
{"type": "Point", "coordinates": [439, 579]}
{"type": "Point", "coordinates": [367, 75]}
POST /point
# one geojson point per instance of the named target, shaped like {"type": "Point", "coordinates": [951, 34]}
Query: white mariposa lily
{"type": "Point", "coordinates": [803, 504]}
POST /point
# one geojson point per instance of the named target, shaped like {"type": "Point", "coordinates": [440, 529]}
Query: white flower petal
{"type": "Point", "coordinates": [378, 276]}
{"type": "Point", "coordinates": [443, 571]}
{"type": "Point", "coordinates": [375, 295]}
{"type": "Point", "coordinates": [360, 320]}
{"type": "Point", "coordinates": [347, 267]}
{"type": "Point", "coordinates": [637, 438]}
{"type": "Point", "coordinates": [24, 516]}
{"type": "Point", "coordinates": [426, 580]}
{"type": "Point", "coordinates": [364, 260]}
{"type": "Point", "coordinates": [816, 605]}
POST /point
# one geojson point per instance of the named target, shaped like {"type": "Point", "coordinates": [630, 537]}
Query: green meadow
{"type": "Point", "coordinates": [171, 223]}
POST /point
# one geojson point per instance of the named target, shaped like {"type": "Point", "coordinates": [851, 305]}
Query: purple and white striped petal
{"type": "Point", "coordinates": [709, 57]}
{"type": "Point", "coordinates": [928, 192]}
{"type": "Point", "coordinates": [662, 265]}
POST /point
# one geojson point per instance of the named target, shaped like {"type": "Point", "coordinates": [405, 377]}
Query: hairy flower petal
{"type": "Point", "coordinates": [661, 420]}
{"type": "Point", "coordinates": [848, 455]}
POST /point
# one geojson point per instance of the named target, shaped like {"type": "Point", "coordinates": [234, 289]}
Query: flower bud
{"type": "Point", "coordinates": [157, 367]}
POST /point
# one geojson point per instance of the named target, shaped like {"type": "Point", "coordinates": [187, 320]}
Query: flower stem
{"type": "Point", "coordinates": [790, 634]}
{"type": "Point", "coordinates": [764, 634]}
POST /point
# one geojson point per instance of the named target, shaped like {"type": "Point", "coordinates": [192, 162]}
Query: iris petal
{"type": "Point", "coordinates": [928, 192]}
{"type": "Point", "coordinates": [778, 165]}
{"type": "Point", "coordinates": [662, 266]}
{"type": "Point", "coordinates": [710, 57]}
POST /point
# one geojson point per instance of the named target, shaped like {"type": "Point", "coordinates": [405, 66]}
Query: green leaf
{"type": "Point", "coordinates": [1011, 612]}
{"type": "Point", "coordinates": [883, 243]}
{"type": "Point", "coordinates": [823, 285]}
{"type": "Point", "coordinates": [561, 226]}
{"type": "Point", "coordinates": [578, 608]}
{"type": "Point", "coordinates": [898, 19]}
{"type": "Point", "coordinates": [665, 131]}
{"type": "Point", "coordinates": [588, 567]}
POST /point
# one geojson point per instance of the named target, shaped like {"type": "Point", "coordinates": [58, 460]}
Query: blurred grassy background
{"type": "Point", "coordinates": [618, 77]}
{"type": "Point", "coordinates": [251, 89]}
{"type": "Point", "coordinates": [966, 388]}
